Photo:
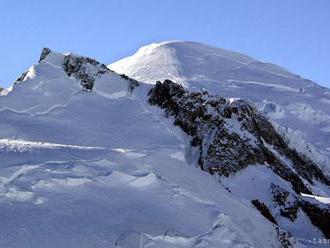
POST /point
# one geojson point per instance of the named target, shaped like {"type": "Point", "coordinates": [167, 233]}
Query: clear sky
{"type": "Point", "coordinates": [292, 33]}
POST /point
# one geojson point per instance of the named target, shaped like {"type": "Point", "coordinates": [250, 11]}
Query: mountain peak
{"type": "Point", "coordinates": [186, 61]}
{"type": "Point", "coordinates": [131, 152]}
{"type": "Point", "coordinates": [297, 105]}
{"type": "Point", "coordinates": [83, 69]}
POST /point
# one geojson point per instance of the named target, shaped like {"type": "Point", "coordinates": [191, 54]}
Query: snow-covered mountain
{"type": "Point", "coordinates": [298, 107]}
{"type": "Point", "coordinates": [91, 158]}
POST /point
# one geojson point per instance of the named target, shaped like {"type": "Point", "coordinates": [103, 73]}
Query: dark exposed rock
{"type": "Point", "coordinates": [21, 78]}
{"type": "Point", "coordinates": [125, 77]}
{"type": "Point", "coordinates": [45, 51]}
{"type": "Point", "coordinates": [132, 82]}
{"type": "Point", "coordinates": [288, 209]}
{"type": "Point", "coordinates": [87, 70]}
{"type": "Point", "coordinates": [290, 212]}
{"type": "Point", "coordinates": [232, 134]}
{"type": "Point", "coordinates": [191, 111]}
{"type": "Point", "coordinates": [84, 69]}
{"type": "Point", "coordinates": [280, 195]}
{"type": "Point", "coordinates": [284, 238]}
{"type": "Point", "coordinates": [302, 165]}
{"type": "Point", "coordinates": [263, 209]}
{"type": "Point", "coordinates": [320, 217]}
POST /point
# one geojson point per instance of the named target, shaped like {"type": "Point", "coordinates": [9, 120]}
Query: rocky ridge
{"type": "Point", "coordinates": [232, 135]}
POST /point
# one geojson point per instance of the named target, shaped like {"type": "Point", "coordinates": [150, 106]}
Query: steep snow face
{"type": "Point", "coordinates": [299, 108]}
{"type": "Point", "coordinates": [105, 169]}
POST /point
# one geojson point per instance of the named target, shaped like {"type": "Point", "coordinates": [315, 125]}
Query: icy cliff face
{"type": "Point", "coordinates": [299, 108]}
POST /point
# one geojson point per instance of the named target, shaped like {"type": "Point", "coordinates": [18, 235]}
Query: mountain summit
{"type": "Point", "coordinates": [92, 158]}
{"type": "Point", "coordinates": [299, 108]}
{"type": "Point", "coordinates": [187, 61]}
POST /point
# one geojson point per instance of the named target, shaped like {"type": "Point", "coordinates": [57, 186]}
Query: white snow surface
{"type": "Point", "coordinates": [325, 200]}
{"type": "Point", "coordinates": [298, 107]}
{"type": "Point", "coordinates": [105, 169]}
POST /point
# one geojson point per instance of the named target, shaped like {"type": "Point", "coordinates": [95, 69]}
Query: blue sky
{"type": "Point", "coordinates": [292, 33]}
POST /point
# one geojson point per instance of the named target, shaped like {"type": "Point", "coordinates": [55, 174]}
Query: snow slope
{"type": "Point", "coordinates": [105, 169]}
{"type": "Point", "coordinates": [298, 107]}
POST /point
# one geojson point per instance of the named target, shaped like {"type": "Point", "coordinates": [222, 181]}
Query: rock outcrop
{"type": "Point", "coordinates": [84, 69]}
{"type": "Point", "coordinates": [21, 78]}
{"type": "Point", "coordinates": [44, 53]}
{"type": "Point", "coordinates": [132, 82]}
{"type": "Point", "coordinates": [263, 209]}
{"type": "Point", "coordinates": [232, 135]}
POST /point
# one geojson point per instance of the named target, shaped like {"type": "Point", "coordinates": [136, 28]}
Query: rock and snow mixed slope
{"type": "Point", "coordinates": [233, 138]}
{"type": "Point", "coordinates": [105, 169]}
{"type": "Point", "coordinates": [86, 161]}
{"type": "Point", "coordinates": [299, 107]}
